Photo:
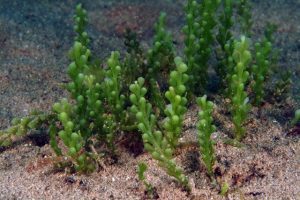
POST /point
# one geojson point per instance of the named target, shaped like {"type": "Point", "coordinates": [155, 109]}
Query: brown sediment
{"type": "Point", "coordinates": [32, 65]}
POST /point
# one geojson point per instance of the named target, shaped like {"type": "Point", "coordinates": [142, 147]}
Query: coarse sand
{"type": "Point", "coordinates": [35, 37]}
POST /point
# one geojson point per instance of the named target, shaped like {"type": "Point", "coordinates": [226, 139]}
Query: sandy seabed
{"type": "Point", "coordinates": [34, 40]}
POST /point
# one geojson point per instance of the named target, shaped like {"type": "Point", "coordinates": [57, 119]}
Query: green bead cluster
{"type": "Point", "coordinates": [85, 87]}
{"type": "Point", "coordinates": [159, 145]}
{"type": "Point", "coordinates": [80, 19]}
{"type": "Point", "coordinates": [79, 55]}
{"type": "Point", "coordinates": [97, 107]}
{"type": "Point", "coordinates": [71, 137]}
{"type": "Point", "coordinates": [141, 169]}
{"type": "Point", "coordinates": [261, 69]}
{"type": "Point", "coordinates": [85, 90]}
{"type": "Point", "coordinates": [134, 62]}
{"type": "Point", "coordinates": [284, 82]}
{"type": "Point", "coordinates": [226, 22]}
{"type": "Point", "coordinates": [283, 85]}
{"type": "Point", "coordinates": [115, 115]}
{"type": "Point", "coordinates": [199, 29]}
{"type": "Point", "coordinates": [239, 101]}
{"type": "Point", "coordinates": [131, 42]}
{"type": "Point", "coordinates": [205, 129]}
{"type": "Point", "coordinates": [225, 40]}
{"type": "Point", "coordinates": [274, 52]}
{"type": "Point", "coordinates": [161, 55]}
{"type": "Point", "coordinates": [191, 48]}
{"type": "Point", "coordinates": [21, 126]}
{"type": "Point", "coordinates": [176, 109]}
{"type": "Point", "coordinates": [244, 11]}
{"type": "Point", "coordinates": [269, 31]}
{"type": "Point", "coordinates": [93, 109]}
{"type": "Point", "coordinates": [160, 60]}
{"type": "Point", "coordinates": [113, 86]}
{"type": "Point", "coordinates": [82, 118]}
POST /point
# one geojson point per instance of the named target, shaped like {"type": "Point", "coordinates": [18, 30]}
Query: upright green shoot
{"type": "Point", "coordinates": [205, 129]}
{"type": "Point", "coordinates": [240, 101]}
{"type": "Point", "coordinates": [244, 11]}
{"type": "Point", "coordinates": [161, 146]}
{"type": "Point", "coordinates": [160, 61]}
{"type": "Point", "coordinates": [261, 69]}
{"type": "Point", "coordinates": [200, 22]}
{"type": "Point", "coordinates": [81, 20]}
{"type": "Point", "coordinates": [224, 38]}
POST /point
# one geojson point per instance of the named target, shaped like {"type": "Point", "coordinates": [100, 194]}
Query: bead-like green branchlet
{"type": "Point", "coordinates": [113, 85]}
{"type": "Point", "coordinates": [110, 127]}
{"type": "Point", "coordinates": [86, 91]}
{"type": "Point", "coordinates": [79, 56]}
{"type": "Point", "coordinates": [244, 11]}
{"type": "Point", "coordinates": [80, 19]}
{"type": "Point", "coordinates": [161, 55]}
{"type": "Point", "coordinates": [84, 117]}
{"type": "Point", "coordinates": [225, 41]}
{"type": "Point", "coordinates": [64, 112]}
{"type": "Point", "coordinates": [85, 87]}
{"type": "Point", "coordinates": [82, 88]}
{"type": "Point", "coordinates": [269, 32]}
{"type": "Point", "coordinates": [160, 61]}
{"type": "Point", "coordinates": [72, 138]}
{"type": "Point", "coordinates": [296, 118]}
{"type": "Point", "coordinates": [224, 189]}
{"type": "Point", "coordinates": [176, 108]}
{"type": "Point", "coordinates": [226, 23]}
{"type": "Point", "coordinates": [134, 64]}
{"type": "Point", "coordinates": [261, 69]}
{"type": "Point", "coordinates": [191, 48]}
{"type": "Point", "coordinates": [202, 26]}
{"type": "Point", "coordinates": [239, 100]}
{"type": "Point", "coordinates": [115, 100]}
{"type": "Point", "coordinates": [284, 82]}
{"type": "Point", "coordinates": [274, 52]}
{"type": "Point", "coordinates": [154, 141]}
{"type": "Point", "coordinates": [93, 109]}
{"type": "Point", "coordinates": [205, 129]}
{"type": "Point", "coordinates": [53, 130]}
{"type": "Point", "coordinates": [22, 126]}
{"type": "Point", "coordinates": [141, 169]}
{"type": "Point", "coordinates": [283, 85]}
